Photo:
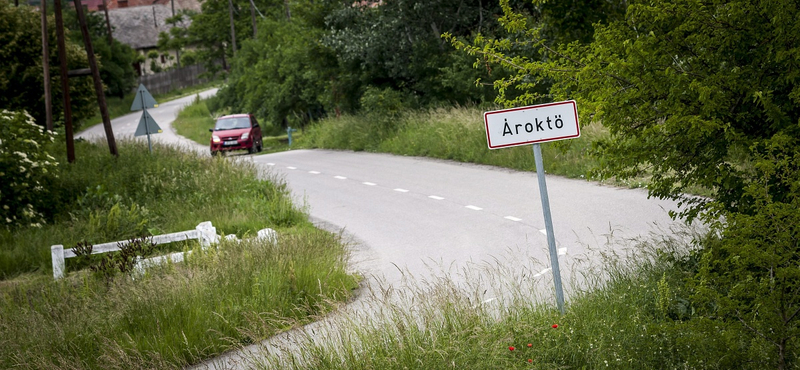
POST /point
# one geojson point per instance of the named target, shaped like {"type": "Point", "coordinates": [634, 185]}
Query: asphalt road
{"type": "Point", "coordinates": [125, 126]}
{"type": "Point", "coordinates": [427, 216]}
{"type": "Point", "coordinates": [414, 220]}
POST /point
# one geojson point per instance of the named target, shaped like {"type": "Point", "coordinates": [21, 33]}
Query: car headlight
{"type": "Point", "coordinates": [245, 135]}
{"type": "Point", "coordinates": [215, 138]}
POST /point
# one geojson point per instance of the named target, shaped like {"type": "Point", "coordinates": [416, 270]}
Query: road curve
{"type": "Point", "coordinates": [419, 218]}
{"type": "Point", "coordinates": [417, 212]}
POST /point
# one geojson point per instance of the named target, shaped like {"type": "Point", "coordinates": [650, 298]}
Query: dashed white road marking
{"type": "Point", "coordinates": [270, 164]}
{"type": "Point", "coordinates": [474, 208]}
{"type": "Point", "coordinates": [435, 197]}
{"type": "Point", "coordinates": [542, 272]}
{"type": "Point", "coordinates": [291, 168]}
{"type": "Point", "coordinates": [369, 183]}
{"type": "Point", "coordinates": [512, 218]}
{"type": "Point", "coordinates": [562, 251]}
{"type": "Point", "coordinates": [314, 172]}
{"type": "Point", "coordinates": [401, 190]}
{"type": "Point", "coordinates": [340, 177]}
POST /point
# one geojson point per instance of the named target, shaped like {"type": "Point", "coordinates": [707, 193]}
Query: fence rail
{"type": "Point", "coordinates": [204, 233]}
{"type": "Point", "coordinates": [178, 78]}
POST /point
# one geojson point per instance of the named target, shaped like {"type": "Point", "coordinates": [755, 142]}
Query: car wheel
{"type": "Point", "coordinates": [260, 145]}
{"type": "Point", "coordinates": [214, 153]}
{"type": "Point", "coordinates": [252, 149]}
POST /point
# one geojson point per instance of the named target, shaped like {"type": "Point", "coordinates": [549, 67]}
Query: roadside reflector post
{"type": "Point", "coordinates": [535, 125]}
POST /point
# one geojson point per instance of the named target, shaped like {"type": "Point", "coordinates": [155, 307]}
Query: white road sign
{"type": "Point", "coordinates": [531, 125]}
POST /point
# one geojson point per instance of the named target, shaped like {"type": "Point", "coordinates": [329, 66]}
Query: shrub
{"type": "Point", "coordinates": [25, 167]}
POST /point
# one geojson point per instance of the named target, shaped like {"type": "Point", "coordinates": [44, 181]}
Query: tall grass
{"type": "Point", "coordinates": [635, 317]}
{"type": "Point", "coordinates": [455, 133]}
{"type": "Point", "coordinates": [101, 198]}
{"type": "Point", "coordinates": [175, 315]}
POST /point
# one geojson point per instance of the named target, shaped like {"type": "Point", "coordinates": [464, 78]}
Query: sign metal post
{"type": "Point", "coordinates": [534, 125]}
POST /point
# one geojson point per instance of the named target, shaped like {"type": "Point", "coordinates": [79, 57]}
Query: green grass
{"type": "Point", "coordinates": [119, 107]}
{"type": "Point", "coordinates": [635, 317]}
{"type": "Point", "coordinates": [194, 121]}
{"type": "Point", "coordinates": [449, 133]}
{"type": "Point", "coordinates": [165, 192]}
{"type": "Point", "coordinates": [179, 314]}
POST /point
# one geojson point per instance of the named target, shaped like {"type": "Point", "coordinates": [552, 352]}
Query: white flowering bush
{"type": "Point", "coordinates": [25, 167]}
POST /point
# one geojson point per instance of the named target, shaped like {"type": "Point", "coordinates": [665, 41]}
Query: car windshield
{"type": "Point", "coordinates": [232, 123]}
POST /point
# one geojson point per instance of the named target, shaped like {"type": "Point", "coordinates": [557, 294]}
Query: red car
{"type": "Point", "coordinates": [236, 132]}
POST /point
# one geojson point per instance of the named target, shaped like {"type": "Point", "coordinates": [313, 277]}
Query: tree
{"type": "Point", "coordinates": [281, 74]}
{"type": "Point", "coordinates": [21, 77]}
{"type": "Point", "coordinates": [695, 94]}
{"type": "Point", "coordinates": [178, 37]}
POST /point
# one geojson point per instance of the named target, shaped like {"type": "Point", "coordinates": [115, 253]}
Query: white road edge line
{"type": "Point", "coordinates": [435, 197]}
{"type": "Point", "coordinates": [543, 231]}
{"type": "Point", "coordinates": [291, 168]}
{"type": "Point", "coordinates": [542, 272]}
{"type": "Point", "coordinates": [314, 172]}
{"type": "Point", "coordinates": [369, 183]}
{"type": "Point", "coordinates": [401, 190]}
{"type": "Point", "coordinates": [340, 177]}
{"type": "Point", "coordinates": [512, 218]}
{"type": "Point", "coordinates": [270, 164]}
{"type": "Point", "coordinates": [474, 208]}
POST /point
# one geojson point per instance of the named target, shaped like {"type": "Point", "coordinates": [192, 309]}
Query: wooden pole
{"type": "Point", "coordinates": [48, 98]}
{"type": "Point", "coordinates": [108, 24]}
{"type": "Point", "coordinates": [233, 30]}
{"type": "Point", "coordinates": [253, 18]}
{"type": "Point", "coordinates": [98, 83]}
{"type": "Point", "coordinates": [62, 58]}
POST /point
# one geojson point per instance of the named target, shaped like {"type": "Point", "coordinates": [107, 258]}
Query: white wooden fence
{"type": "Point", "coordinates": [204, 233]}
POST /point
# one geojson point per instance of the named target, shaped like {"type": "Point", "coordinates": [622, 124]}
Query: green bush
{"type": "Point", "coordinates": [26, 169]}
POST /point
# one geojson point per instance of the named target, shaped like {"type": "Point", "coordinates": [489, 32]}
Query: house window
{"type": "Point", "coordinates": [163, 59]}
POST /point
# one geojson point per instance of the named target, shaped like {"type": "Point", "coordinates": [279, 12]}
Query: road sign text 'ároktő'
{"type": "Point", "coordinates": [531, 125]}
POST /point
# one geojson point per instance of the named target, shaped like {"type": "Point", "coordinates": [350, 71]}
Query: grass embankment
{"type": "Point", "coordinates": [637, 317]}
{"type": "Point", "coordinates": [194, 121]}
{"type": "Point", "coordinates": [174, 315]}
{"type": "Point", "coordinates": [455, 133]}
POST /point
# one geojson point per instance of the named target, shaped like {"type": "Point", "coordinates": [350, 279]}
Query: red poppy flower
{"type": "Point", "coordinates": [511, 348]}
{"type": "Point", "coordinates": [530, 360]}
{"type": "Point", "coordinates": [555, 326]}
{"type": "Point", "coordinates": [530, 344]}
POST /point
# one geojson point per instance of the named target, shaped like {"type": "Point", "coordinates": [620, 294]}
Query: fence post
{"type": "Point", "coordinates": [57, 254]}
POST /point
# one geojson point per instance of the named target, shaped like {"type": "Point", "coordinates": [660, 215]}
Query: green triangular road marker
{"type": "Point", "coordinates": [152, 126]}
{"type": "Point", "coordinates": [143, 99]}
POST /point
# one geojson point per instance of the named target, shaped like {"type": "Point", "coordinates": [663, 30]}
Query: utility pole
{"type": "Point", "coordinates": [178, 50]}
{"type": "Point", "coordinates": [62, 57]}
{"type": "Point", "coordinates": [98, 83]}
{"type": "Point", "coordinates": [233, 30]}
{"type": "Point", "coordinates": [108, 24]}
{"type": "Point", "coordinates": [48, 98]}
{"type": "Point", "coordinates": [253, 17]}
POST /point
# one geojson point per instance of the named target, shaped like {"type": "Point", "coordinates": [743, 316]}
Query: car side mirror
{"type": "Point", "coordinates": [211, 130]}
